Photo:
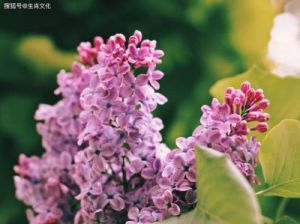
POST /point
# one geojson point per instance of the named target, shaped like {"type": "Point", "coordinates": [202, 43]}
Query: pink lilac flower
{"type": "Point", "coordinates": [101, 139]}
{"type": "Point", "coordinates": [104, 159]}
{"type": "Point", "coordinates": [223, 127]}
{"type": "Point", "coordinates": [46, 183]}
{"type": "Point", "coordinates": [226, 126]}
{"type": "Point", "coordinates": [163, 200]}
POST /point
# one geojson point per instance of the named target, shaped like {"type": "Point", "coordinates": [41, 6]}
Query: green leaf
{"type": "Point", "coordinates": [280, 159]}
{"type": "Point", "coordinates": [286, 220]}
{"type": "Point", "coordinates": [224, 195]}
{"type": "Point", "coordinates": [283, 93]}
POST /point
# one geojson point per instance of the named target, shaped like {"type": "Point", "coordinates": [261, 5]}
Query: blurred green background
{"type": "Point", "coordinates": [203, 40]}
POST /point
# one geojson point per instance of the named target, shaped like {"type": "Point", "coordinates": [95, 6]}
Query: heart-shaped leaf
{"type": "Point", "coordinates": [280, 159]}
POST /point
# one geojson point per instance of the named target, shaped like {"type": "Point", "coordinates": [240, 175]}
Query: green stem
{"type": "Point", "coordinates": [281, 208]}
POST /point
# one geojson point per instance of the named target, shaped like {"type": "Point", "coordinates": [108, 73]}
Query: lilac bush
{"type": "Point", "coordinates": [104, 160]}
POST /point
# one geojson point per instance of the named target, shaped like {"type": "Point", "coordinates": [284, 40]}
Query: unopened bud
{"type": "Point", "coordinates": [263, 104]}
{"type": "Point", "coordinates": [261, 127]}
{"type": "Point", "coordinates": [245, 86]}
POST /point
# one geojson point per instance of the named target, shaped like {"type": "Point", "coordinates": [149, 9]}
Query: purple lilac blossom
{"type": "Point", "coordinates": [46, 183]}
{"type": "Point", "coordinates": [223, 127]}
{"type": "Point", "coordinates": [102, 144]}
{"type": "Point", "coordinates": [104, 159]}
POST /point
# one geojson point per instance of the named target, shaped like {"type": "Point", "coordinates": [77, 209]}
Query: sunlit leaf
{"type": "Point", "coordinates": [250, 36]}
{"type": "Point", "coordinates": [223, 193]}
{"type": "Point", "coordinates": [280, 159]}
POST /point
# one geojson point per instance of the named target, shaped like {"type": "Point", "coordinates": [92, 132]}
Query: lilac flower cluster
{"type": "Point", "coordinates": [224, 127]}
{"type": "Point", "coordinates": [117, 168]}
{"type": "Point", "coordinates": [103, 145]}
{"type": "Point", "coordinates": [47, 183]}
{"type": "Point", "coordinates": [104, 159]}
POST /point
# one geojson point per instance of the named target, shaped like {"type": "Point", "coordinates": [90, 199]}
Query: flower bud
{"type": "Point", "coordinates": [261, 127]}
{"type": "Point", "coordinates": [263, 104]}
{"type": "Point", "coordinates": [245, 86]}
